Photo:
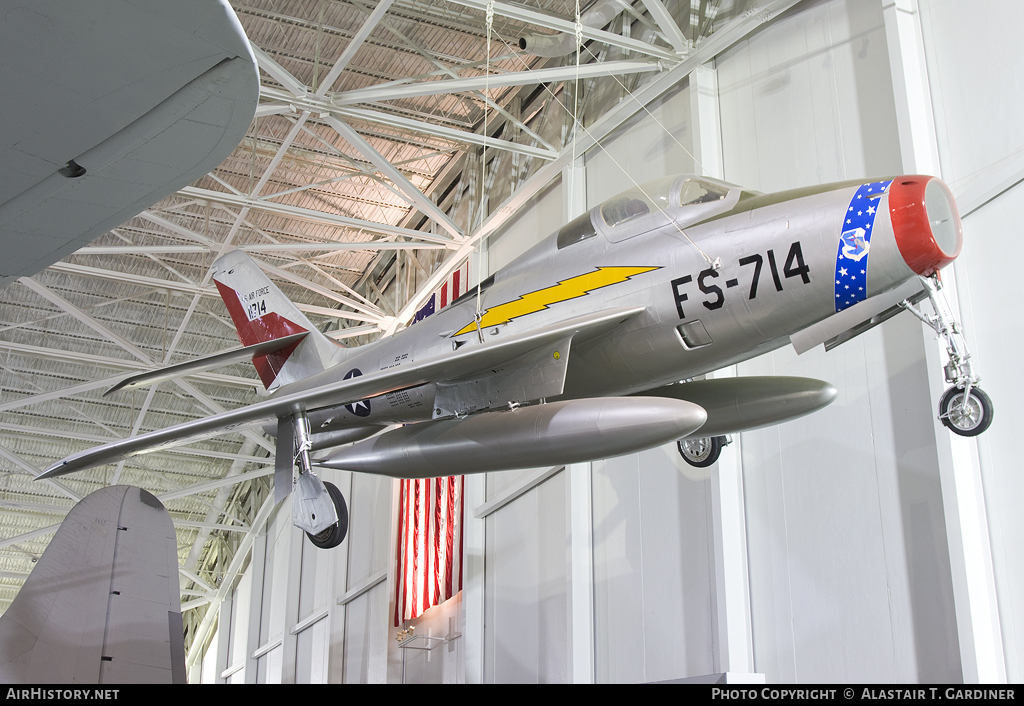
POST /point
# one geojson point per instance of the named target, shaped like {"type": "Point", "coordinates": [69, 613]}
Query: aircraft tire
{"type": "Point", "coordinates": [969, 420]}
{"type": "Point", "coordinates": [701, 452]}
{"type": "Point", "coordinates": [335, 534]}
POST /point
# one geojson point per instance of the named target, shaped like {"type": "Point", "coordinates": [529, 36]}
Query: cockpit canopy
{"type": "Point", "coordinates": [684, 200]}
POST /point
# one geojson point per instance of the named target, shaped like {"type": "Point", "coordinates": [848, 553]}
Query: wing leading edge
{"type": "Point", "coordinates": [435, 369]}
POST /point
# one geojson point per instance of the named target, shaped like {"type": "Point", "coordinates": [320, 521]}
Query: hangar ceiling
{"type": "Point", "coordinates": [357, 187]}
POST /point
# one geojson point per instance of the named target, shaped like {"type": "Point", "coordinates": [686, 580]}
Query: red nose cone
{"type": "Point", "coordinates": [926, 223]}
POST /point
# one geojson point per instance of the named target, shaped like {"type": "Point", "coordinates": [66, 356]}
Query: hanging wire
{"type": "Point", "coordinates": [575, 107]}
{"type": "Point", "coordinates": [478, 316]}
{"type": "Point", "coordinates": [650, 114]}
{"type": "Point", "coordinates": [716, 262]}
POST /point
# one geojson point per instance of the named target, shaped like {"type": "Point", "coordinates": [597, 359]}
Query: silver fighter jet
{"type": "Point", "coordinates": [592, 343]}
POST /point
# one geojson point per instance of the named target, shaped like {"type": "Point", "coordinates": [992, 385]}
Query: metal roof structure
{"type": "Point", "coordinates": [358, 189]}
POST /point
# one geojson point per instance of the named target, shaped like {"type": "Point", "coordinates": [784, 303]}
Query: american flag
{"type": "Point", "coordinates": [429, 568]}
{"type": "Point", "coordinates": [429, 545]}
{"type": "Point", "coordinates": [446, 293]}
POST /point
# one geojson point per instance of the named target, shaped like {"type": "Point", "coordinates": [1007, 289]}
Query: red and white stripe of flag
{"type": "Point", "coordinates": [454, 286]}
{"type": "Point", "coordinates": [430, 520]}
{"type": "Point", "coordinates": [429, 544]}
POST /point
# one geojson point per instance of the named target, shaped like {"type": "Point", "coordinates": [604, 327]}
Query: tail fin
{"type": "Point", "coordinates": [261, 313]}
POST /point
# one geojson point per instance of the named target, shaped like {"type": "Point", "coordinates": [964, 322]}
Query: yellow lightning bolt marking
{"type": "Point", "coordinates": [563, 291]}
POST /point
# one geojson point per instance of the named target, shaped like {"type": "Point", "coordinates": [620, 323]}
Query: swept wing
{"type": "Point", "coordinates": [438, 368]}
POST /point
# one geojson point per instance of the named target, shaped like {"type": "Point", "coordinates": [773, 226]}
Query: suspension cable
{"type": "Point", "coordinates": [715, 262]}
{"type": "Point", "coordinates": [478, 317]}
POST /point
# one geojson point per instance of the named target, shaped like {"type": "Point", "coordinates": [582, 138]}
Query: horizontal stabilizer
{"type": "Point", "coordinates": [206, 363]}
{"type": "Point", "coordinates": [744, 403]}
{"type": "Point", "coordinates": [472, 357]}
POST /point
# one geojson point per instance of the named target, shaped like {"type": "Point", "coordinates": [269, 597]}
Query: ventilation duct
{"type": "Point", "coordinates": [552, 45]}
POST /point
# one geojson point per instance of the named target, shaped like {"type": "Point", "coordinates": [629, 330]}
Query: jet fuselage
{"type": "Point", "coordinates": [723, 275]}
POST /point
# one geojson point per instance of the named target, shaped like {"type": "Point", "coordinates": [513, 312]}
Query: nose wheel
{"type": "Point", "coordinates": [966, 412]}
{"type": "Point", "coordinates": [964, 408]}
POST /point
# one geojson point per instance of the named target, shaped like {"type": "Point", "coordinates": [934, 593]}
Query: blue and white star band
{"type": "Point", "coordinates": [855, 244]}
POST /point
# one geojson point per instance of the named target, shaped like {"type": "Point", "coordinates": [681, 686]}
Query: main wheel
{"type": "Point", "coordinates": [966, 417]}
{"type": "Point", "coordinates": [335, 534]}
{"type": "Point", "coordinates": [701, 452]}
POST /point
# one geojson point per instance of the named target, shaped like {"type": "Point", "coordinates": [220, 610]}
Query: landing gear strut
{"type": "Point", "coordinates": [318, 507]}
{"type": "Point", "coordinates": [703, 451]}
{"type": "Point", "coordinates": [964, 408]}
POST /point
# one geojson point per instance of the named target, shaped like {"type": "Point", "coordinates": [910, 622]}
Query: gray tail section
{"type": "Point", "coordinates": [67, 626]}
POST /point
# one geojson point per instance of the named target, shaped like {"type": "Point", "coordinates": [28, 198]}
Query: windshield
{"type": "Point", "coordinates": [695, 191]}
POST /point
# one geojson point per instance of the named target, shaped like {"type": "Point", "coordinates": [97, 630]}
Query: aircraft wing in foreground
{"type": "Point", "coordinates": [110, 106]}
{"type": "Point", "coordinates": [591, 344]}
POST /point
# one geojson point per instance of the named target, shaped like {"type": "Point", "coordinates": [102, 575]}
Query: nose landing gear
{"type": "Point", "coordinates": [964, 408]}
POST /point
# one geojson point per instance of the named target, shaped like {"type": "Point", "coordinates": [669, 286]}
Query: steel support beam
{"type": "Point", "coordinates": [267, 63]}
{"type": "Point", "coordinates": [353, 46]}
{"type": "Point", "coordinates": [43, 432]}
{"type": "Point", "coordinates": [211, 526]}
{"type": "Point", "coordinates": [213, 485]}
{"type": "Point", "coordinates": [396, 121]}
{"type": "Point", "coordinates": [353, 138]}
{"type": "Point", "coordinates": [33, 471]}
{"type": "Point", "coordinates": [451, 72]}
{"type": "Point", "coordinates": [87, 319]}
{"type": "Point", "coordinates": [175, 228]}
{"type": "Point", "coordinates": [667, 25]}
{"type": "Point", "coordinates": [306, 214]}
{"type": "Point", "coordinates": [392, 91]}
{"type": "Point", "coordinates": [373, 316]}
{"type": "Point", "coordinates": [131, 348]}
{"type": "Point", "coordinates": [234, 570]}
{"type": "Point", "coordinates": [124, 365]}
{"type": "Point", "coordinates": [189, 288]}
{"type": "Point", "coordinates": [426, 206]}
{"type": "Point", "coordinates": [265, 247]}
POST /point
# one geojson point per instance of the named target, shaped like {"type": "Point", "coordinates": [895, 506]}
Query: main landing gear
{"type": "Point", "coordinates": [334, 534]}
{"type": "Point", "coordinates": [964, 408]}
{"type": "Point", "coordinates": [703, 451]}
{"type": "Point", "coordinates": [318, 507]}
